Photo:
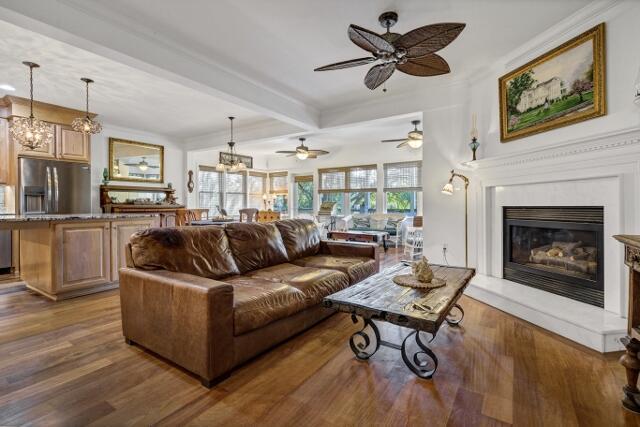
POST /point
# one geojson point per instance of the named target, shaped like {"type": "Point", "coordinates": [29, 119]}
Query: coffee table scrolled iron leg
{"type": "Point", "coordinates": [361, 340]}
{"type": "Point", "coordinates": [454, 319]}
{"type": "Point", "coordinates": [423, 362]}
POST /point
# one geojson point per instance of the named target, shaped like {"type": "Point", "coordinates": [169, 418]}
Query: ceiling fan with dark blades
{"type": "Point", "coordinates": [303, 152]}
{"type": "Point", "coordinates": [413, 138]}
{"type": "Point", "coordinates": [412, 53]}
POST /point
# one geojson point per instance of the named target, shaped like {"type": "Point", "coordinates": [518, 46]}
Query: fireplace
{"type": "Point", "coordinates": [556, 249]}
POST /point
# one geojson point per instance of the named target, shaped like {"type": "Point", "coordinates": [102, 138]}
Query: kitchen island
{"type": "Point", "coordinates": [65, 256]}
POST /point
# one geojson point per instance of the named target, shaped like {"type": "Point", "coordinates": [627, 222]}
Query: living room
{"type": "Point", "coordinates": [347, 213]}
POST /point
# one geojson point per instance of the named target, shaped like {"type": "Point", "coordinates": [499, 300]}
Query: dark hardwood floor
{"type": "Point", "coordinates": [66, 363]}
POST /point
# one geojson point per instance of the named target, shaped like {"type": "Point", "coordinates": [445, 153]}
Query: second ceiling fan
{"type": "Point", "coordinates": [413, 138]}
{"type": "Point", "coordinates": [303, 152]}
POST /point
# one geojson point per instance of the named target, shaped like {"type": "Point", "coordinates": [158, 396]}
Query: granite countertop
{"type": "Point", "coordinates": [72, 217]}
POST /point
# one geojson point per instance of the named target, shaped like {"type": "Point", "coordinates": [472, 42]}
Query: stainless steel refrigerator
{"type": "Point", "coordinates": [53, 187]}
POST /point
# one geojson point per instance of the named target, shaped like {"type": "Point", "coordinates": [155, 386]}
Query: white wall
{"type": "Point", "coordinates": [449, 128]}
{"type": "Point", "coordinates": [173, 160]}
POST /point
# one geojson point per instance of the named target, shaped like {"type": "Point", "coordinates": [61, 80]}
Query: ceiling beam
{"type": "Point", "coordinates": [100, 32]}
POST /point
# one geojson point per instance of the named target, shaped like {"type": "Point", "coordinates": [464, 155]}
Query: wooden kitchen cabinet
{"type": "Point", "coordinates": [76, 257]}
{"type": "Point", "coordinates": [82, 254]}
{"type": "Point", "coordinates": [72, 145]}
{"type": "Point", "coordinates": [4, 151]}
{"type": "Point", "coordinates": [120, 234]}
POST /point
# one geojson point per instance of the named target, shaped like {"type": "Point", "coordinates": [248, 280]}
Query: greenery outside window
{"type": "Point", "coordinates": [304, 194]}
{"type": "Point", "coordinates": [278, 187]}
{"type": "Point", "coordinates": [405, 202]}
{"type": "Point", "coordinates": [402, 187]}
{"type": "Point", "coordinates": [362, 202]}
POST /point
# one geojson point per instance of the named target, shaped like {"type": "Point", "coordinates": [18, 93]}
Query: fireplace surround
{"type": "Point", "coordinates": [556, 249]}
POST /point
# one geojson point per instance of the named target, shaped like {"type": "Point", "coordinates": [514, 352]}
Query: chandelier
{"type": "Point", "coordinates": [30, 132]}
{"type": "Point", "coordinates": [85, 124]}
{"type": "Point", "coordinates": [230, 161]}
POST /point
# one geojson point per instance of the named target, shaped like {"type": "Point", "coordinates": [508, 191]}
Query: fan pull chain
{"type": "Point", "coordinates": [384, 87]}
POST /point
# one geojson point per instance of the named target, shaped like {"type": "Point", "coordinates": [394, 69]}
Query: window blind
{"type": "Point", "coordinates": [332, 180]}
{"type": "Point", "coordinates": [405, 176]}
{"type": "Point", "coordinates": [257, 186]}
{"type": "Point", "coordinates": [278, 183]}
{"type": "Point", "coordinates": [234, 192]}
{"type": "Point", "coordinates": [303, 178]}
{"type": "Point", "coordinates": [209, 189]}
{"type": "Point", "coordinates": [363, 178]}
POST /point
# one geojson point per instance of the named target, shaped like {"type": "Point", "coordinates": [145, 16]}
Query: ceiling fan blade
{"type": "Point", "coordinates": [429, 39]}
{"type": "Point", "coordinates": [379, 74]}
{"type": "Point", "coordinates": [347, 64]}
{"type": "Point", "coordinates": [394, 140]}
{"type": "Point", "coordinates": [428, 65]}
{"type": "Point", "coordinates": [312, 156]}
{"type": "Point", "coordinates": [404, 144]}
{"type": "Point", "coordinates": [286, 152]}
{"type": "Point", "coordinates": [368, 40]}
{"type": "Point", "coordinates": [318, 152]}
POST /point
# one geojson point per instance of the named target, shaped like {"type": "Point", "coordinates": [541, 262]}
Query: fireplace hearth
{"type": "Point", "coordinates": [556, 249]}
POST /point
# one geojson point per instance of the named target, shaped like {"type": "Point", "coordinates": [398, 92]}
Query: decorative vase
{"type": "Point", "coordinates": [105, 176]}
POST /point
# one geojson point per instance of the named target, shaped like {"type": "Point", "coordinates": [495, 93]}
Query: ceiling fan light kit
{"type": "Point", "coordinates": [302, 152]}
{"type": "Point", "coordinates": [412, 53]}
{"type": "Point", "coordinates": [414, 138]}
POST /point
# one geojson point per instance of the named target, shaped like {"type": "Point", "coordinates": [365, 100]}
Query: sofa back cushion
{"type": "Point", "coordinates": [202, 251]}
{"type": "Point", "coordinates": [301, 237]}
{"type": "Point", "coordinates": [255, 245]}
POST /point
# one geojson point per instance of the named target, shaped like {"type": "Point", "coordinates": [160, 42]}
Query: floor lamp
{"type": "Point", "coordinates": [448, 190]}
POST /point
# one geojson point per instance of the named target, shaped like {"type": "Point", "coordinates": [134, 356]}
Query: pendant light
{"type": "Point", "coordinates": [30, 132]}
{"type": "Point", "coordinates": [233, 162]}
{"type": "Point", "coordinates": [85, 124]}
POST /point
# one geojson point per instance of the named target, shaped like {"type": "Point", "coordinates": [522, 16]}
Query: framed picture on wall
{"type": "Point", "coordinates": [226, 159]}
{"type": "Point", "coordinates": [561, 87]}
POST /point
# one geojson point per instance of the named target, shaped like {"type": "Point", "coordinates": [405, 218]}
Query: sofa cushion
{"type": "Point", "coordinates": [314, 283]}
{"type": "Point", "coordinates": [378, 224]}
{"type": "Point", "coordinates": [201, 251]}
{"type": "Point", "coordinates": [301, 237]}
{"type": "Point", "coordinates": [361, 223]}
{"type": "Point", "coordinates": [357, 268]}
{"type": "Point", "coordinates": [255, 245]}
{"type": "Point", "coordinates": [258, 302]}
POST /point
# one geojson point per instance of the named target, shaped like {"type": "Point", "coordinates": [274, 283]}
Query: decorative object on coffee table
{"type": "Point", "coordinates": [630, 359]}
{"type": "Point", "coordinates": [448, 190]}
{"type": "Point", "coordinates": [423, 310]}
{"type": "Point", "coordinates": [421, 276]}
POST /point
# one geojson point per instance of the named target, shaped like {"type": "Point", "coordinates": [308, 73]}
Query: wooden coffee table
{"type": "Point", "coordinates": [424, 311]}
{"type": "Point", "coordinates": [360, 236]}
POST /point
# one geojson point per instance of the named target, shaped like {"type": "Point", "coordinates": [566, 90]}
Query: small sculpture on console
{"type": "Point", "coordinates": [422, 271]}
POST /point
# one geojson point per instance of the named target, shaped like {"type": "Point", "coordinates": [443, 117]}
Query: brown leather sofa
{"type": "Point", "coordinates": [210, 298]}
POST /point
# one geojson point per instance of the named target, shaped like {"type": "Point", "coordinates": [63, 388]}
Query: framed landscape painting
{"type": "Point", "coordinates": [561, 87]}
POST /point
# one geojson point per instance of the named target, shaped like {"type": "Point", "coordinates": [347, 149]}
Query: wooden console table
{"type": "Point", "coordinates": [630, 360]}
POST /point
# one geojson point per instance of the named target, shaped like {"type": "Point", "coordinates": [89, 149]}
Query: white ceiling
{"type": "Point", "coordinates": [366, 134]}
{"type": "Point", "coordinates": [280, 42]}
{"type": "Point", "coordinates": [270, 48]}
{"type": "Point", "coordinates": [121, 95]}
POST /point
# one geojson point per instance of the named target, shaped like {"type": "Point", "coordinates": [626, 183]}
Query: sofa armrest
{"type": "Point", "coordinates": [337, 248]}
{"type": "Point", "coordinates": [185, 318]}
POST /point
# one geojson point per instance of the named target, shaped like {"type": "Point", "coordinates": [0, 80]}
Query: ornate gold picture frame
{"type": "Point", "coordinates": [564, 86]}
{"type": "Point", "coordinates": [135, 161]}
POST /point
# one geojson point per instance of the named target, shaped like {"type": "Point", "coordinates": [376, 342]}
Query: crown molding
{"type": "Point", "coordinates": [598, 143]}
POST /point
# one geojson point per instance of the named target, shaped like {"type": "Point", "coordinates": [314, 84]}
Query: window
{"type": "Point", "coordinates": [402, 187]}
{"type": "Point", "coordinates": [257, 187]}
{"type": "Point", "coordinates": [209, 189]}
{"type": "Point", "coordinates": [235, 192]}
{"type": "Point", "coordinates": [279, 187]}
{"type": "Point", "coordinates": [304, 193]}
{"type": "Point", "coordinates": [353, 188]}
{"type": "Point", "coordinates": [362, 202]}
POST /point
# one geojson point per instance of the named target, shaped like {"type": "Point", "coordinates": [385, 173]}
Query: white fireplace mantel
{"type": "Point", "coordinates": [602, 170]}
